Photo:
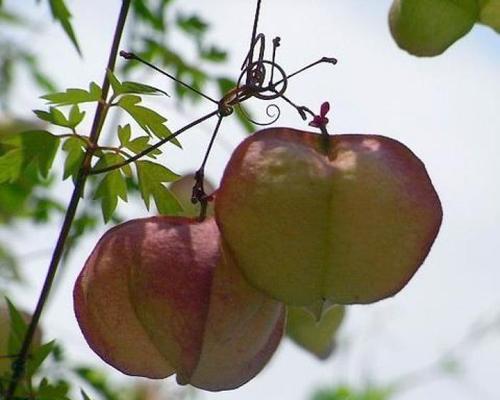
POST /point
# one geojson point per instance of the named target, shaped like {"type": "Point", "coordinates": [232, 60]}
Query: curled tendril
{"type": "Point", "coordinates": [254, 76]}
{"type": "Point", "coordinates": [252, 84]}
{"type": "Point", "coordinates": [272, 111]}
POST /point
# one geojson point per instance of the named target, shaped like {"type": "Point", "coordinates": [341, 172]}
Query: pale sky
{"type": "Point", "coordinates": [446, 109]}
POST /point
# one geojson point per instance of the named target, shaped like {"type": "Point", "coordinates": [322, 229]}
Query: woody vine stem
{"type": "Point", "coordinates": [99, 116]}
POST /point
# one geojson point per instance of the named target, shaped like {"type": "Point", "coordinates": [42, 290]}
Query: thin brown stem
{"type": "Point", "coordinates": [20, 362]}
{"type": "Point", "coordinates": [212, 140]}
{"type": "Point", "coordinates": [329, 60]}
{"type": "Point", "coordinates": [155, 146]}
{"type": "Point", "coordinates": [84, 139]}
{"type": "Point", "coordinates": [133, 56]}
{"type": "Point", "coordinates": [117, 150]}
{"type": "Point", "coordinates": [254, 33]}
{"type": "Point", "coordinates": [302, 110]}
{"type": "Point", "coordinates": [199, 195]}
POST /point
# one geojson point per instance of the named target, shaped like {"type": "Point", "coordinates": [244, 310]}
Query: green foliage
{"type": "Point", "coordinates": [136, 145]}
{"type": "Point", "coordinates": [14, 55]}
{"type": "Point", "coordinates": [37, 147]}
{"type": "Point", "coordinates": [8, 268]}
{"type": "Point", "coordinates": [27, 197]}
{"type": "Point", "coordinates": [75, 116]}
{"type": "Point", "coordinates": [75, 149]}
{"type": "Point", "coordinates": [56, 117]}
{"type": "Point", "coordinates": [152, 178]}
{"type": "Point", "coordinates": [61, 14]}
{"type": "Point", "coordinates": [75, 96]}
{"type": "Point", "coordinates": [53, 391]}
{"type": "Point", "coordinates": [151, 14]}
{"type": "Point", "coordinates": [344, 392]}
{"type": "Point", "coordinates": [24, 192]}
{"type": "Point", "coordinates": [10, 18]}
{"type": "Point", "coordinates": [128, 87]}
{"type": "Point", "coordinates": [213, 54]}
{"type": "Point", "coordinates": [192, 25]}
{"type": "Point", "coordinates": [98, 381]}
{"type": "Point", "coordinates": [18, 329]}
{"type": "Point", "coordinates": [150, 121]}
{"type": "Point", "coordinates": [38, 357]}
{"type": "Point", "coordinates": [113, 185]}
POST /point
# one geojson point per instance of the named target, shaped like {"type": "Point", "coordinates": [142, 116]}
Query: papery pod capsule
{"type": "Point", "coordinates": [158, 296]}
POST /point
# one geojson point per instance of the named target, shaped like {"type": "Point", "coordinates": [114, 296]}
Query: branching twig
{"type": "Point", "coordinates": [153, 147]}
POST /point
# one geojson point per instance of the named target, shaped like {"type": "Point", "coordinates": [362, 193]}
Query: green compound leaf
{"type": "Point", "coordinates": [213, 54]}
{"type": "Point", "coordinates": [145, 117]}
{"type": "Point", "coordinates": [75, 149]}
{"type": "Point", "coordinates": [75, 96]}
{"type": "Point", "coordinates": [136, 145]}
{"type": "Point", "coordinates": [112, 186]}
{"type": "Point", "coordinates": [115, 83]}
{"type": "Point", "coordinates": [37, 147]}
{"type": "Point", "coordinates": [152, 178]}
{"type": "Point", "coordinates": [61, 13]}
{"type": "Point", "coordinates": [75, 116]}
{"type": "Point", "coordinates": [11, 165]}
{"type": "Point", "coordinates": [192, 25]}
{"type": "Point", "coordinates": [54, 116]}
{"type": "Point", "coordinates": [141, 88]}
{"type": "Point", "coordinates": [124, 134]}
{"type": "Point", "coordinates": [38, 357]}
{"type": "Point", "coordinates": [52, 391]}
{"type": "Point", "coordinates": [129, 87]}
{"type": "Point", "coordinates": [18, 327]}
{"type": "Point", "coordinates": [154, 17]}
{"type": "Point", "coordinates": [140, 144]}
{"type": "Point", "coordinates": [150, 121]}
{"type": "Point", "coordinates": [427, 28]}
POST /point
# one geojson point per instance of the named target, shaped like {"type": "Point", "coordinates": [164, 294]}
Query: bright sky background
{"type": "Point", "coordinates": [446, 109]}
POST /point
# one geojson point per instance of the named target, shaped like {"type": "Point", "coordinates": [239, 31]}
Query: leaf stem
{"type": "Point", "coordinates": [132, 56]}
{"type": "Point", "coordinates": [155, 146]}
{"type": "Point", "coordinates": [84, 139]}
{"type": "Point", "coordinates": [20, 362]}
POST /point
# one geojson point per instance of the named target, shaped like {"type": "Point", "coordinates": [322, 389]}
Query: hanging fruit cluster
{"type": "Point", "coordinates": [303, 223]}
{"type": "Point", "coordinates": [301, 220]}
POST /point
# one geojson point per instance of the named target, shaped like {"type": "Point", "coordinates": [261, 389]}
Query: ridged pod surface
{"type": "Point", "coordinates": [157, 296]}
{"type": "Point", "coordinates": [341, 219]}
